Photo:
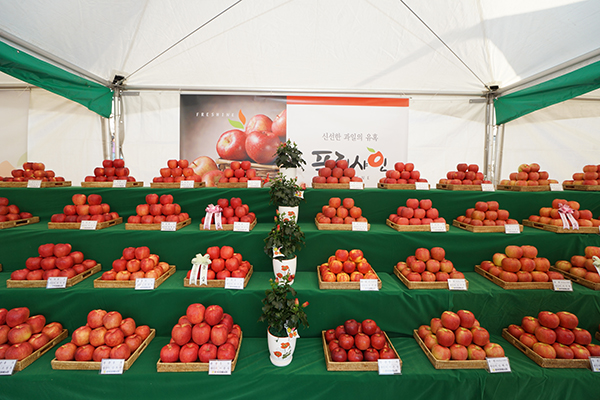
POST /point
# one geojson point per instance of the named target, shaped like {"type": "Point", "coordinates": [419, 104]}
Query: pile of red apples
{"type": "Point", "coordinates": [33, 171]}
{"type": "Point", "coordinates": [402, 174]}
{"type": "Point", "coordinates": [110, 170]}
{"type": "Point", "coordinates": [346, 266]}
{"type": "Point", "coordinates": [458, 336]}
{"type": "Point", "coordinates": [589, 176]}
{"type": "Point", "coordinates": [355, 341]}
{"type": "Point", "coordinates": [202, 334]}
{"type": "Point", "coordinates": [225, 263]}
{"type": "Point", "coordinates": [520, 264]}
{"type": "Point", "coordinates": [106, 335]}
{"type": "Point", "coordinates": [553, 335]}
{"type": "Point", "coordinates": [582, 266]}
{"type": "Point", "coordinates": [158, 209]}
{"type": "Point", "coordinates": [11, 212]}
{"type": "Point", "coordinates": [239, 172]}
{"type": "Point", "coordinates": [339, 211]}
{"type": "Point", "coordinates": [85, 208]}
{"type": "Point", "coordinates": [416, 212]}
{"type": "Point", "coordinates": [429, 266]}
{"type": "Point", "coordinates": [53, 260]}
{"type": "Point", "coordinates": [177, 171]}
{"type": "Point", "coordinates": [486, 213]}
{"type": "Point", "coordinates": [551, 215]}
{"type": "Point", "coordinates": [465, 174]}
{"type": "Point", "coordinates": [234, 210]}
{"type": "Point", "coordinates": [336, 172]}
{"type": "Point", "coordinates": [22, 334]}
{"type": "Point", "coordinates": [528, 175]}
{"type": "Point", "coordinates": [136, 262]}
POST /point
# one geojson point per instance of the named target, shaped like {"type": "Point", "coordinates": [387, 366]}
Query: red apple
{"type": "Point", "coordinates": [66, 352]}
{"type": "Point", "coordinates": [169, 353]}
{"type": "Point", "coordinates": [261, 146]}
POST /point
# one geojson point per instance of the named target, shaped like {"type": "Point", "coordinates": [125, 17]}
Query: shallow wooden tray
{"type": "Point", "coordinates": [19, 222]}
{"type": "Point", "coordinates": [397, 186]}
{"type": "Point", "coordinates": [411, 228]}
{"type": "Point", "coordinates": [43, 185]}
{"type": "Point", "coordinates": [481, 229]}
{"type": "Point", "coordinates": [577, 279]}
{"type": "Point", "coordinates": [226, 227]}
{"type": "Point", "coordinates": [350, 365]}
{"type": "Point", "coordinates": [541, 361]}
{"type": "Point", "coordinates": [560, 229]}
{"type": "Point", "coordinates": [154, 227]}
{"type": "Point", "coordinates": [513, 285]}
{"type": "Point", "coordinates": [100, 283]}
{"type": "Point", "coordinates": [422, 285]}
{"type": "Point", "coordinates": [450, 186]}
{"type": "Point", "coordinates": [110, 184]}
{"type": "Point", "coordinates": [77, 225]}
{"type": "Point", "coordinates": [517, 188]}
{"type": "Point", "coordinates": [194, 366]}
{"type": "Point", "coordinates": [95, 365]}
{"type": "Point", "coordinates": [337, 227]}
{"type": "Point", "coordinates": [217, 283]}
{"type": "Point", "coordinates": [584, 188]}
{"type": "Point", "coordinates": [332, 185]}
{"type": "Point", "coordinates": [27, 361]}
{"type": "Point", "coordinates": [343, 285]}
{"type": "Point", "coordinates": [237, 185]}
{"type": "Point", "coordinates": [174, 185]}
{"type": "Point", "coordinates": [449, 364]}
{"type": "Point", "coordinates": [42, 283]}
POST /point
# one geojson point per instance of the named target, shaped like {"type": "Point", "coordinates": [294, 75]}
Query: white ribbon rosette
{"type": "Point", "coordinates": [200, 263]}
{"type": "Point", "coordinates": [566, 214]}
{"type": "Point", "coordinates": [210, 211]}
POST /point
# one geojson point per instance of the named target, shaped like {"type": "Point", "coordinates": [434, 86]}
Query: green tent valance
{"type": "Point", "coordinates": [18, 64]}
{"type": "Point", "coordinates": [565, 87]}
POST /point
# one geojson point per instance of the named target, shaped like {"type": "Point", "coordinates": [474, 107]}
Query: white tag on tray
{"type": "Point", "coordinates": [56, 282]}
{"type": "Point", "coordinates": [144, 283]}
{"type": "Point", "coordinates": [241, 226]}
{"type": "Point", "coordinates": [556, 187]}
{"type": "Point", "coordinates": [487, 187]}
{"type": "Point", "coordinates": [109, 366]}
{"type": "Point", "coordinates": [512, 228]}
{"type": "Point", "coordinates": [88, 225]}
{"type": "Point", "coordinates": [219, 367]}
{"type": "Point", "coordinates": [234, 283]}
{"type": "Point", "coordinates": [437, 227]}
{"type": "Point", "coordinates": [7, 367]}
{"type": "Point", "coordinates": [562, 285]}
{"type": "Point", "coordinates": [421, 186]}
{"type": "Point", "coordinates": [186, 184]}
{"type": "Point", "coordinates": [389, 366]}
{"type": "Point", "coordinates": [595, 363]}
{"type": "Point", "coordinates": [360, 226]}
{"type": "Point", "coordinates": [457, 284]}
{"type": "Point", "coordinates": [170, 226]}
{"type": "Point", "coordinates": [254, 183]}
{"type": "Point", "coordinates": [120, 183]}
{"type": "Point", "coordinates": [357, 185]}
{"type": "Point", "coordinates": [34, 183]}
{"type": "Point", "coordinates": [369, 285]}
{"type": "Point", "coordinates": [498, 364]}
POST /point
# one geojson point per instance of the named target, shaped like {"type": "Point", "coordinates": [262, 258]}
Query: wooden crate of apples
{"type": "Point", "coordinates": [85, 208]}
{"type": "Point", "coordinates": [528, 178]}
{"type": "Point", "coordinates": [110, 171]}
{"type": "Point", "coordinates": [339, 215]}
{"type": "Point", "coordinates": [466, 177]}
{"type": "Point", "coordinates": [427, 269]}
{"type": "Point", "coordinates": [416, 216]}
{"type": "Point", "coordinates": [224, 263]}
{"type": "Point", "coordinates": [581, 269]}
{"type": "Point", "coordinates": [345, 269]}
{"type": "Point", "coordinates": [33, 171]}
{"type": "Point", "coordinates": [550, 218]}
{"type": "Point", "coordinates": [11, 216]}
{"type": "Point", "coordinates": [486, 216]}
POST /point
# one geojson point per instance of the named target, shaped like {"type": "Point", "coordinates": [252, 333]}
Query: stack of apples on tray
{"type": "Point", "coordinates": [239, 172]}
{"type": "Point", "coordinates": [582, 266]}
{"type": "Point", "coordinates": [528, 175]}
{"type": "Point", "coordinates": [486, 213]}
{"type": "Point", "coordinates": [158, 209]}
{"type": "Point", "coordinates": [402, 174]}
{"type": "Point", "coordinates": [225, 263]}
{"type": "Point", "coordinates": [346, 266]}
{"type": "Point", "coordinates": [336, 172]}
{"type": "Point", "coordinates": [428, 266]}
{"type": "Point", "coordinates": [339, 211]}
{"type": "Point", "coordinates": [355, 342]}
{"type": "Point", "coordinates": [520, 264]}
{"type": "Point", "coordinates": [136, 262]}
{"type": "Point", "coordinates": [177, 171]}
{"type": "Point", "coordinates": [11, 212]}
{"type": "Point", "coordinates": [589, 176]}
{"type": "Point", "coordinates": [458, 336]}
{"type": "Point", "coordinates": [234, 210]}
{"type": "Point", "coordinates": [551, 215]}
{"type": "Point", "coordinates": [110, 170]}
{"type": "Point", "coordinates": [416, 212]}
{"type": "Point", "coordinates": [22, 334]}
{"type": "Point", "coordinates": [465, 174]}
{"type": "Point", "coordinates": [85, 208]}
{"type": "Point", "coordinates": [33, 171]}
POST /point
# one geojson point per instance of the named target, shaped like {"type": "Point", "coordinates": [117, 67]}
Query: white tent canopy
{"type": "Point", "coordinates": [443, 54]}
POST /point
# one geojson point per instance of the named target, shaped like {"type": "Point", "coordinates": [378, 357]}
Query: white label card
{"type": "Point", "coordinates": [88, 225]}
{"type": "Point", "coordinates": [120, 183]}
{"type": "Point", "coordinates": [109, 366]}
{"type": "Point", "coordinates": [241, 226]}
{"type": "Point", "coordinates": [457, 284]}
{"type": "Point", "coordinates": [487, 187]}
{"type": "Point", "coordinates": [219, 367]}
{"type": "Point", "coordinates": [234, 283]}
{"type": "Point", "coordinates": [357, 185]}
{"type": "Point", "coordinates": [512, 228]}
{"type": "Point", "coordinates": [437, 227]}
{"type": "Point", "coordinates": [421, 185]}
{"type": "Point", "coordinates": [7, 367]}
{"type": "Point", "coordinates": [186, 184]}
{"type": "Point", "coordinates": [595, 363]}
{"type": "Point", "coordinates": [498, 364]}
{"type": "Point", "coordinates": [562, 285]}
{"type": "Point", "coordinates": [360, 226]}
{"type": "Point", "coordinates": [254, 183]}
{"type": "Point", "coordinates": [34, 183]}
{"type": "Point", "coordinates": [170, 226]}
{"type": "Point", "coordinates": [389, 366]}
{"type": "Point", "coordinates": [56, 282]}
{"type": "Point", "coordinates": [369, 285]}
{"type": "Point", "coordinates": [556, 187]}
{"type": "Point", "coordinates": [144, 283]}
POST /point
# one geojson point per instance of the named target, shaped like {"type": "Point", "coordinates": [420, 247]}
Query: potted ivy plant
{"type": "Point", "coordinates": [284, 314]}
{"type": "Point", "coordinates": [288, 158]}
{"type": "Point", "coordinates": [286, 195]}
{"type": "Point", "coordinates": [281, 244]}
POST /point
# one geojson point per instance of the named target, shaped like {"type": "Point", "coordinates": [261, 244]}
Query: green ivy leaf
{"type": "Point", "coordinates": [236, 124]}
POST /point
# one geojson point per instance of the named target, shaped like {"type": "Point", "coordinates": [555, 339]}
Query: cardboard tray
{"type": "Point", "coordinates": [154, 227]}
{"type": "Point", "coordinates": [27, 361]}
{"type": "Point", "coordinates": [42, 283]}
{"type": "Point", "coordinates": [100, 283]}
{"type": "Point", "coordinates": [448, 364]}
{"type": "Point", "coordinates": [236, 185]}
{"type": "Point", "coordinates": [353, 366]}
{"type": "Point", "coordinates": [217, 283]}
{"type": "Point", "coordinates": [194, 366]}
{"type": "Point", "coordinates": [541, 361]}
{"type": "Point", "coordinates": [450, 186]}
{"type": "Point", "coordinates": [19, 222]}
{"type": "Point", "coordinates": [343, 285]}
{"type": "Point", "coordinates": [517, 188]}
{"type": "Point", "coordinates": [577, 279]}
{"type": "Point", "coordinates": [481, 229]}
{"type": "Point", "coordinates": [95, 365]}
{"type": "Point", "coordinates": [584, 188]}
{"type": "Point", "coordinates": [560, 229]}
{"type": "Point", "coordinates": [226, 227]}
{"type": "Point", "coordinates": [397, 186]}
{"type": "Point", "coordinates": [110, 184]}
{"type": "Point", "coordinates": [44, 184]}
{"type": "Point", "coordinates": [174, 185]}
{"type": "Point", "coordinates": [513, 285]}
{"type": "Point", "coordinates": [337, 227]}
{"type": "Point", "coordinates": [422, 285]}
{"type": "Point", "coordinates": [411, 228]}
{"type": "Point", "coordinates": [332, 185]}
{"type": "Point", "coordinates": [77, 225]}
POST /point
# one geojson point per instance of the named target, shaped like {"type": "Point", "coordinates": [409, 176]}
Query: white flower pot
{"type": "Point", "coordinates": [281, 349]}
{"type": "Point", "coordinates": [289, 173]}
{"type": "Point", "coordinates": [283, 267]}
{"type": "Point", "coordinates": [289, 211]}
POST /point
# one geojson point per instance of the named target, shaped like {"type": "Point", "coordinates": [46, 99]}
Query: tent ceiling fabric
{"type": "Point", "coordinates": [354, 46]}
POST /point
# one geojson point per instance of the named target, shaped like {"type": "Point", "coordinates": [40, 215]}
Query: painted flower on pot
{"type": "Point", "coordinates": [277, 354]}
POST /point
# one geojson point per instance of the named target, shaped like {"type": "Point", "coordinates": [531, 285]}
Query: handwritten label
{"type": "Point", "coordinates": [595, 363]}
{"type": "Point", "coordinates": [88, 225]}
{"type": "Point", "coordinates": [512, 228]}
{"type": "Point", "coordinates": [389, 366]}
{"type": "Point", "coordinates": [186, 184]}
{"type": "Point", "coordinates": [241, 226]}
{"type": "Point", "coordinates": [360, 226]}
{"type": "Point", "coordinates": [109, 366]}
{"type": "Point", "coordinates": [120, 183]}
{"type": "Point", "coordinates": [487, 187]}
{"type": "Point", "coordinates": [144, 283]}
{"type": "Point", "coordinates": [437, 227]}
{"type": "Point", "coordinates": [34, 183]}
{"type": "Point", "coordinates": [421, 185]}
{"type": "Point", "coordinates": [369, 285]}
{"type": "Point", "coordinates": [7, 367]}
{"type": "Point", "coordinates": [234, 283]}
{"type": "Point", "coordinates": [556, 187]}
{"type": "Point", "coordinates": [219, 367]}
{"type": "Point", "coordinates": [170, 226]}
{"type": "Point", "coordinates": [562, 285]}
{"type": "Point", "coordinates": [457, 284]}
{"type": "Point", "coordinates": [56, 282]}
{"type": "Point", "coordinates": [357, 185]}
{"type": "Point", "coordinates": [254, 183]}
{"type": "Point", "coordinates": [498, 364]}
